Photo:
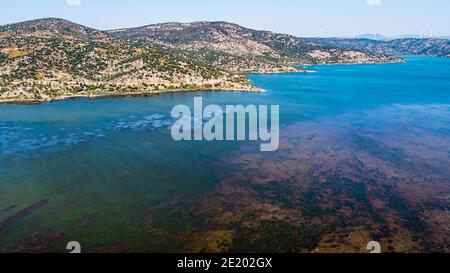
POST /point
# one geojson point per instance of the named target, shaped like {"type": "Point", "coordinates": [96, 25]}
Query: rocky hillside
{"type": "Point", "coordinates": [52, 28]}
{"type": "Point", "coordinates": [238, 49]}
{"type": "Point", "coordinates": [52, 58]}
{"type": "Point", "coordinates": [408, 46]}
{"type": "Point", "coordinates": [49, 59]}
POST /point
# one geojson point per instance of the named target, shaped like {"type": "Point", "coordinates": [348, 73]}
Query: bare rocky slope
{"type": "Point", "coordinates": [238, 49]}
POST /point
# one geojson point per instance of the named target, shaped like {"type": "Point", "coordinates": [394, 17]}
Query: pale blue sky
{"type": "Point", "coordinates": [299, 17]}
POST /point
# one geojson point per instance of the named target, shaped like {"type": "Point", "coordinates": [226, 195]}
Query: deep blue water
{"type": "Point", "coordinates": [108, 160]}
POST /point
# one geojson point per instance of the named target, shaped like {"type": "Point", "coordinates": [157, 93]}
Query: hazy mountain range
{"type": "Point", "coordinates": [376, 36]}
{"type": "Point", "coordinates": [406, 46]}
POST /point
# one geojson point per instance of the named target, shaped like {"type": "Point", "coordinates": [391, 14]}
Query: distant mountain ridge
{"type": "Point", "coordinates": [380, 37]}
{"type": "Point", "coordinates": [407, 46]}
{"type": "Point", "coordinates": [235, 48]}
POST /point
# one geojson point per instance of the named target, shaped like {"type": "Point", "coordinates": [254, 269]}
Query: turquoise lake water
{"type": "Point", "coordinates": [103, 164]}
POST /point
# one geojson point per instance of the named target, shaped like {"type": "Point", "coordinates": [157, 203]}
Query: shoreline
{"type": "Point", "coordinates": [252, 89]}
{"type": "Point", "coordinates": [402, 61]}
{"type": "Point", "coordinates": [128, 95]}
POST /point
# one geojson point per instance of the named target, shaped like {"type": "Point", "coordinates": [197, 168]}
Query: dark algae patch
{"type": "Point", "coordinates": [379, 149]}
{"type": "Point", "coordinates": [8, 209]}
{"type": "Point", "coordinates": [411, 216]}
{"type": "Point", "coordinates": [276, 236]}
{"type": "Point", "coordinates": [22, 214]}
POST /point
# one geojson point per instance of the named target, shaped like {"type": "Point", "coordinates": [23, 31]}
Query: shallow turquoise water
{"type": "Point", "coordinates": [106, 162]}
